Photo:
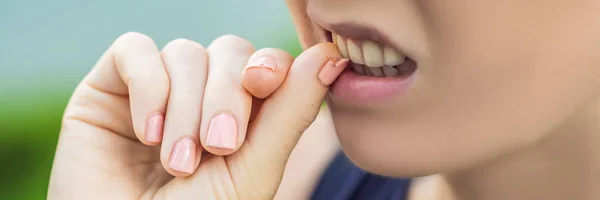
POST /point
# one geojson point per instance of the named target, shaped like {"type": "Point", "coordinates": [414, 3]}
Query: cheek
{"type": "Point", "coordinates": [486, 91]}
{"type": "Point", "coordinates": [308, 32]}
{"type": "Point", "coordinates": [509, 79]}
{"type": "Point", "coordinates": [469, 117]}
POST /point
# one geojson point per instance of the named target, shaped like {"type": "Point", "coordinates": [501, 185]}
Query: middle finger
{"type": "Point", "coordinates": [186, 63]}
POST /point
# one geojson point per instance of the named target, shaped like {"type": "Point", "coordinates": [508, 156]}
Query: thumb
{"type": "Point", "coordinates": [289, 111]}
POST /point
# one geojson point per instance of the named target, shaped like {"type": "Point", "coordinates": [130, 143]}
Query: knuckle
{"type": "Point", "coordinates": [230, 39]}
{"type": "Point", "coordinates": [135, 40]}
{"type": "Point", "coordinates": [187, 51]}
{"type": "Point", "coordinates": [277, 51]}
{"type": "Point", "coordinates": [271, 49]}
{"type": "Point", "coordinates": [232, 42]}
{"type": "Point", "coordinates": [183, 45]}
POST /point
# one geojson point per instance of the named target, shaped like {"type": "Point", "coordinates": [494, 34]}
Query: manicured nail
{"type": "Point", "coordinates": [154, 128]}
{"type": "Point", "coordinates": [332, 69]}
{"type": "Point", "coordinates": [342, 63]}
{"type": "Point", "coordinates": [262, 62]}
{"type": "Point", "coordinates": [222, 132]}
{"type": "Point", "coordinates": [183, 157]}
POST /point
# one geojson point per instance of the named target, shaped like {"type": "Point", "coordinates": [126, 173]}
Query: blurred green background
{"type": "Point", "coordinates": [46, 47]}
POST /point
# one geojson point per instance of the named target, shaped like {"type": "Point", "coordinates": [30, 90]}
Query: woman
{"type": "Point", "coordinates": [494, 99]}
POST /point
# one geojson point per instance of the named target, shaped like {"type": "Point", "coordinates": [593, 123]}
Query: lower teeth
{"type": "Point", "coordinates": [390, 71]}
{"type": "Point", "coordinates": [384, 71]}
{"type": "Point", "coordinates": [358, 69]}
{"type": "Point", "coordinates": [376, 71]}
{"type": "Point", "coordinates": [367, 71]}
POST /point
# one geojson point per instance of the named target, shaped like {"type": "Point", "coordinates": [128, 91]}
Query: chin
{"type": "Point", "coordinates": [415, 145]}
{"type": "Point", "coordinates": [382, 148]}
{"type": "Point", "coordinates": [368, 158]}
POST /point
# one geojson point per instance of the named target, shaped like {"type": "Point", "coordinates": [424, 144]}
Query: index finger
{"type": "Point", "coordinates": [265, 71]}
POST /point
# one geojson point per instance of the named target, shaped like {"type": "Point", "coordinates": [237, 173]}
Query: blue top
{"type": "Point", "coordinates": [342, 180]}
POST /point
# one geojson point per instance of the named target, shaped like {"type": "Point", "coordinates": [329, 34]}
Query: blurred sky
{"type": "Point", "coordinates": [52, 44]}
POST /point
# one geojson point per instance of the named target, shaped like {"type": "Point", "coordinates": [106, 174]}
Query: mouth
{"type": "Point", "coordinates": [378, 71]}
{"type": "Point", "coordinates": [370, 57]}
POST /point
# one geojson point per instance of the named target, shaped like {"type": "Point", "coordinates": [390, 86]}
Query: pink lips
{"type": "Point", "coordinates": [353, 88]}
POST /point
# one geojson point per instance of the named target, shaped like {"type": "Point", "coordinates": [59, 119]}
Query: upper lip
{"type": "Point", "coordinates": [356, 31]}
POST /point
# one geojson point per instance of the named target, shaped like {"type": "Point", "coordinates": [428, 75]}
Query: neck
{"type": "Point", "coordinates": [563, 165]}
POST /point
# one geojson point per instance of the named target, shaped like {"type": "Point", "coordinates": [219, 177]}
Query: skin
{"type": "Point", "coordinates": [505, 102]}
{"type": "Point", "coordinates": [313, 153]}
{"type": "Point", "coordinates": [103, 145]}
{"type": "Point", "coordinates": [504, 106]}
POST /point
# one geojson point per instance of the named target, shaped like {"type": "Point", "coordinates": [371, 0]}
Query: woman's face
{"type": "Point", "coordinates": [491, 76]}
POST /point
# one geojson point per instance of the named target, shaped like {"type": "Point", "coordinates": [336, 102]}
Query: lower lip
{"type": "Point", "coordinates": [353, 88]}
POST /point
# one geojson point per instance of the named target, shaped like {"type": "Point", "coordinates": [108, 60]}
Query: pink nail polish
{"type": "Point", "coordinates": [332, 69]}
{"type": "Point", "coordinates": [222, 132]}
{"type": "Point", "coordinates": [183, 157]}
{"type": "Point", "coordinates": [262, 62]}
{"type": "Point", "coordinates": [154, 128]}
{"type": "Point", "coordinates": [342, 63]}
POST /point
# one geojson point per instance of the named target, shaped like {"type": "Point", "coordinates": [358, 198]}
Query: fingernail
{"type": "Point", "coordinates": [262, 62]}
{"type": "Point", "coordinates": [183, 157]}
{"type": "Point", "coordinates": [332, 69]}
{"type": "Point", "coordinates": [222, 132]}
{"type": "Point", "coordinates": [154, 128]}
{"type": "Point", "coordinates": [342, 63]}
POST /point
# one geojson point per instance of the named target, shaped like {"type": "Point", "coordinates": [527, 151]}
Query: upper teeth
{"type": "Point", "coordinates": [378, 59]}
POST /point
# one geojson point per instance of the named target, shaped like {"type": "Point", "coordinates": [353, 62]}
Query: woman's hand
{"type": "Point", "coordinates": [193, 112]}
